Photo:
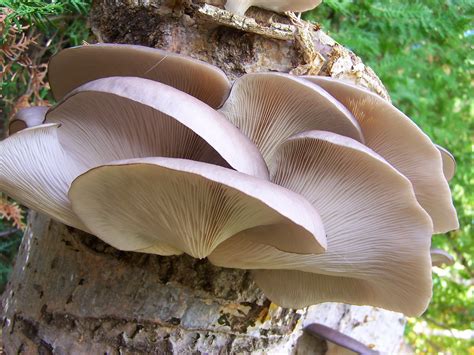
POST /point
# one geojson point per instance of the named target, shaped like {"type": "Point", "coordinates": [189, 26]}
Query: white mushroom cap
{"type": "Point", "coordinates": [75, 66]}
{"type": "Point", "coordinates": [449, 163]}
{"type": "Point", "coordinates": [271, 107]}
{"type": "Point", "coordinates": [123, 118]}
{"type": "Point", "coordinates": [390, 133]}
{"type": "Point", "coordinates": [378, 235]}
{"type": "Point", "coordinates": [191, 206]}
{"type": "Point", "coordinates": [26, 118]}
{"type": "Point", "coordinates": [36, 171]}
{"type": "Point", "coordinates": [440, 257]}
{"type": "Point", "coordinates": [240, 6]}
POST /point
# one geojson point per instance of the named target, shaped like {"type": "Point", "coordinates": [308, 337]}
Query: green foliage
{"type": "Point", "coordinates": [40, 12]}
{"type": "Point", "coordinates": [422, 51]}
{"type": "Point", "coordinates": [31, 31]}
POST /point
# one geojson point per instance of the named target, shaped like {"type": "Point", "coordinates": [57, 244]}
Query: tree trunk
{"type": "Point", "coordinates": [71, 293]}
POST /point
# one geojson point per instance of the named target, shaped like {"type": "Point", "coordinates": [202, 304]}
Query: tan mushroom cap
{"type": "Point", "coordinates": [240, 6]}
{"type": "Point", "coordinates": [449, 163]}
{"type": "Point", "coordinates": [26, 118]}
{"type": "Point", "coordinates": [440, 257]}
{"type": "Point", "coordinates": [270, 107]}
{"type": "Point", "coordinates": [390, 133]}
{"type": "Point", "coordinates": [127, 117]}
{"type": "Point", "coordinates": [35, 170]}
{"type": "Point", "coordinates": [191, 206]}
{"type": "Point", "coordinates": [75, 66]}
{"type": "Point", "coordinates": [378, 235]}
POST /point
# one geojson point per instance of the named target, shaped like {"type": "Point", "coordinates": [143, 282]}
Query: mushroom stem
{"type": "Point", "coordinates": [338, 338]}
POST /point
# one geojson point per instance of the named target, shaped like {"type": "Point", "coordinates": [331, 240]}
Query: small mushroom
{"type": "Point", "coordinates": [440, 257]}
{"type": "Point", "coordinates": [127, 117]}
{"type": "Point", "coordinates": [26, 118]}
{"type": "Point", "coordinates": [75, 66]}
{"type": "Point", "coordinates": [393, 135]}
{"type": "Point", "coordinates": [239, 7]}
{"type": "Point", "coordinates": [271, 107]}
{"type": "Point", "coordinates": [377, 234]}
{"type": "Point", "coordinates": [449, 163]}
{"type": "Point", "coordinates": [339, 339]}
{"type": "Point", "coordinates": [191, 206]}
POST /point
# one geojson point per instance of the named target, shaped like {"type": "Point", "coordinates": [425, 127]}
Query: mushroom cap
{"type": "Point", "coordinates": [75, 66]}
{"type": "Point", "coordinates": [36, 171]}
{"type": "Point", "coordinates": [271, 107]}
{"type": "Point", "coordinates": [27, 117]}
{"type": "Point", "coordinates": [240, 6]}
{"type": "Point", "coordinates": [340, 339]}
{"type": "Point", "coordinates": [378, 235]}
{"type": "Point", "coordinates": [119, 118]}
{"type": "Point", "coordinates": [191, 206]}
{"type": "Point", "coordinates": [390, 133]}
{"type": "Point", "coordinates": [449, 163]}
{"type": "Point", "coordinates": [440, 257]}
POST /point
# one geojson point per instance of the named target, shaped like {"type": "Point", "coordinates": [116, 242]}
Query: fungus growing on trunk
{"type": "Point", "coordinates": [449, 163]}
{"type": "Point", "coordinates": [441, 258]}
{"type": "Point", "coordinates": [75, 66]}
{"type": "Point", "coordinates": [318, 186]}
{"type": "Point", "coordinates": [26, 118]}
{"type": "Point", "coordinates": [239, 7]}
{"type": "Point", "coordinates": [390, 133]}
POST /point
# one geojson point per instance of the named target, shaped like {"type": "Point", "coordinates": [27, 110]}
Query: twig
{"type": "Point", "coordinates": [247, 24]}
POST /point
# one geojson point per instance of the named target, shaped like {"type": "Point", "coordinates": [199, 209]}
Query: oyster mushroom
{"type": "Point", "coordinates": [378, 236]}
{"type": "Point", "coordinates": [75, 66]}
{"type": "Point", "coordinates": [271, 107]}
{"type": "Point", "coordinates": [127, 117]}
{"type": "Point", "coordinates": [390, 133]}
{"type": "Point", "coordinates": [26, 118]}
{"type": "Point", "coordinates": [449, 163]}
{"type": "Point", "coordinates": [191, 206]}
{"type": "Point", "coordinates": [440, 257]}
{"type": "Point", "coordinates": [239, 7]}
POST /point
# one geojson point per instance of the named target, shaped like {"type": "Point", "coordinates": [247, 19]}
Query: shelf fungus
{"type": "Point", "coordinates": [326, 191]}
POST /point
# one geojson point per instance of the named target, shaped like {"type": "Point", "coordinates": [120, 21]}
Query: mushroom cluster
{"type": "Point", "coordinates": [325, 190]}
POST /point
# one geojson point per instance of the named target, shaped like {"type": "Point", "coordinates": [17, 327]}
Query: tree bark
{"type": "Point", "coordinates": [71, 293]}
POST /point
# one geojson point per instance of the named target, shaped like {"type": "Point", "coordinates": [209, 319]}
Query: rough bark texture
{"type": "Point", "coordinates": [71, 293]}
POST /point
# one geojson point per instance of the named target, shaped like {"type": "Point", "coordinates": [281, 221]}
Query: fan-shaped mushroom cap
{"type": "Point", "coordinates": [271, 107]}
{"type": "Point", "coordinates": [449, 163]}
{"type": "Point", "coordinates": [35, 170]}
{"type": "Point", "coordinates": [394, 136]}
{"type": "Point", "coordinates": [26, 118]}
{"type": "Point", "coordinates": [122, 118]}
{"type": "Point", "coordinates": [240, 6]}
{"type": "Point", "coordinates": [378, 235]}
{"type": "Point", "coordinates": [191, 206]}
{"type": "Point", "coordinates": [440, 257]}
{"type": "Point", "coordinates": [75, 66]}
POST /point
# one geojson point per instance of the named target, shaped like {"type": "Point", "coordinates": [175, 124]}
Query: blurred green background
{"type": "Point", "coordinates": [422, 51]}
